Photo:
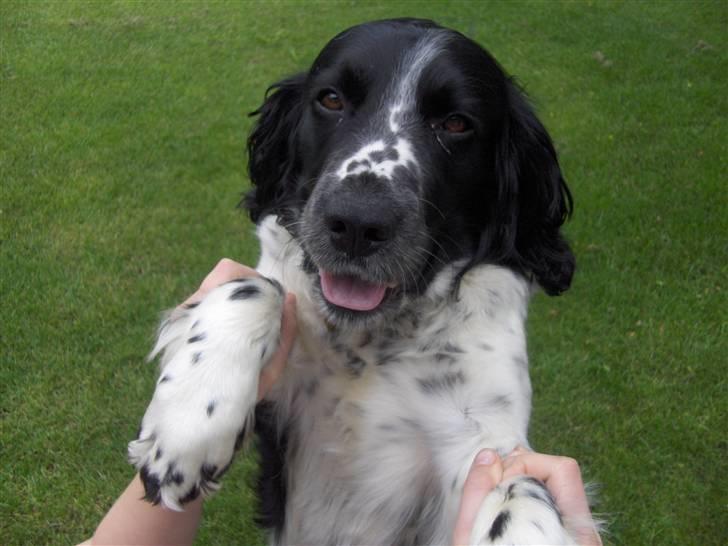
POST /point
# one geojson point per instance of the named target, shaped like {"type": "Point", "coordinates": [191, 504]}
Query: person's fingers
{"type": "Point", "coordinates": [518, 450]}
{"type": "Point", "coordinates": [562, 476]}
{"type": "Point", "coordinates": [273, 370]}
{"type": "Point", "coordinates": [485, 473]}
{"type": "Point", "coordinates": [225, 270]}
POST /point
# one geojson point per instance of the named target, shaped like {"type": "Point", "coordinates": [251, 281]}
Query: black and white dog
{"type": "Point", "coordinates": [409, 197]}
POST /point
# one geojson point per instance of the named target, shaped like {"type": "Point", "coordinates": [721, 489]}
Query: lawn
{"type": "Point", "coordinates": [122, 162]}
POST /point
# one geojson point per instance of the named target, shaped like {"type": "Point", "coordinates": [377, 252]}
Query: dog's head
{"type": "Point", "coordinates": [406, 147]}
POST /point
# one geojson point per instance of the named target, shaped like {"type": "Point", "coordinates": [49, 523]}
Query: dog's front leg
{"type": "Point", "coordinates": [203, 403]}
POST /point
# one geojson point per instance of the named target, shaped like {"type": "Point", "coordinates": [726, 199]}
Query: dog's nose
{"type": "Point", "coordinates": [359, 227]}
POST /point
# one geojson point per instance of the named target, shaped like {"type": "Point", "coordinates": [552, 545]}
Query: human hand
{"type": "Point", "coordinates": [561, 475]}
{"type": "Point", "coordinates": [227, 270]}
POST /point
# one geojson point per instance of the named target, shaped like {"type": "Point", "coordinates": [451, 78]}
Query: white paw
{"type": "Point", "coordinates": [202, 406]}
{"type": "Point", "coordinates": [520, 511]}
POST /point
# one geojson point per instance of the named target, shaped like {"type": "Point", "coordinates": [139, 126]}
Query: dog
{"type": "Point", "coordinates": [405, 191]}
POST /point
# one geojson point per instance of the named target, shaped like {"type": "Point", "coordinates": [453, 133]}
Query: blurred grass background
{"type": "Point", "coordinates": [122, 161]}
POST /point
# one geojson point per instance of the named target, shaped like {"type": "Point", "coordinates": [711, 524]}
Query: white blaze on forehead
{"type": "Point", "coordinates": [377, 157]}
{"type": "Point", "coordinates": [365, 160]}
{"type": "Point", "coordinates": [404, 89]}
{"type": "Point", "coordinates": [360, 158]}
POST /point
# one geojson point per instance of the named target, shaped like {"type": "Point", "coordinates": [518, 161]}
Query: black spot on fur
{"type": "Point", "coordinates": [275, 284]}
{"type": "Point", "coordinates": [191, 495]}
{"type": "Point", "coordinates": [211, 408]}
{"type": "Point", "coordinates": [410, 423]}
{"type": "Point", "coordinates": [191, 305]}
{"type": "Point", "coordinates": [173, 475]}
{"type": "Point", "coordinates": [446, 358]}
{"type": "Point", "coordinates": [356, 164]}
{"type": "Point", "coordinates": [195, 324]}
{"type": "Point", "coordinates": [158, 454]}
{"type": "Point", "coordinates": [245, 292]}
{"type": "Point", "coordinates": [539, 492]}
{"type": "Point", "coordinates": [355, 364]}
{"type": "Point", "coordinates": [502, 402]}
{"type": "Point", "coordinates": [499, 525]}
{"type": "Point", "coordinates": [208, 481]}
{"type": "Point", "coordinates": [208, 471]}
{"type": "Point", "coordinates": [377, 157]}
{"type": "Point", "coordinates": [366, 339]}
{"type": "Point", "coordinates": [437, 383]}
{"type": "Point", "coordinates": [521, 362]}
{"type": "Point", "coordinates": [195, 339]}
{"type": "Point", "coordinates": [151, 485]}
{"type": "Point", "coordinates": [452, 348]}
{"type": "Point", "coordinates": [196, 357]}
{"type": "Point", "coordinates": [164, 379]}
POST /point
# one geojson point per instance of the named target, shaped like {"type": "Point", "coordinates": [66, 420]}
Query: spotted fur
{"type": "Point", "coordinates": [369, 435]}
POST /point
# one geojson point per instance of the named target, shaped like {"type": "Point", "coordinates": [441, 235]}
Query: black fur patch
{"type": "Point", "coordinates": [196, 357]}
{"type": "Point", "coordinates": [245, 292]}
{"type": "Point", "coordinates": [542, 494]}
{"type": "Point", "coordinates": [191, 305]}
{"type": "Point", "coordinates": [499, 525]}
{"type": "Point", "coordinates": [446, 357]}
{"type": "Point", "coordinates": [271, 486]}
{"type": "Point", "coordinates": [191, 495]}
{"type": "Point", "coordinates": [195, 339]}
{"type": "Point", "coordinates": [355, 364]}
{"type": "Point", "coordinates": [437, 383]}
{"type": "Point", "coordinates": [173, 475]}
{"type": "Point", "coordinates": [452, 348]}
{"type": "Point", "coordinates": [164, 379]}
{"type": "Point", "coordinates": [211, 408]}
{"type": "Point", "coordinates": [158, 454]}
{"type": "Point", "coordinates": [501, 403]}
{"type": "Point", "coordinates": [151, 485]}
{"type": "Point", "coordinates": [208, 471]}
{"type": "Point", "coordinates": [208, 479]}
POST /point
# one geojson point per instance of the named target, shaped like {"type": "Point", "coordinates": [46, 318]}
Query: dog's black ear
{"type": "Point", "coordinates": [271, 148]}
{"type": "Point", "coordinates": [533, 199]}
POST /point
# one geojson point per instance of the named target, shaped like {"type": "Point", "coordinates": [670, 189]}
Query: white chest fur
{"type": "Point", "coordinates": [384, 423]}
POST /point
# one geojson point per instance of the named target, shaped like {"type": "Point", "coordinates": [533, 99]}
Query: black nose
{"type": "Point", "coordinates": [359, 226]}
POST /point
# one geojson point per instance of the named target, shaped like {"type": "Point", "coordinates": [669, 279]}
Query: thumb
{"type": "Point", "coordinates": [485, 473]}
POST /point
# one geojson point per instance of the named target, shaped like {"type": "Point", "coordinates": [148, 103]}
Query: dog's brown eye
{"type": "Point", "coordinates": [456, 124]}
{"type": "Point", "coordinates": [331, 100]}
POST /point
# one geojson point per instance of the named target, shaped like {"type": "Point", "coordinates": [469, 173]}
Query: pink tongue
{"type": "Point", "coordinates": [350, 292]}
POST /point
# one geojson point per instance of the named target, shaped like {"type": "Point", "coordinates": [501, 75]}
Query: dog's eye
{"type": "Point", "coordinates": [456, 124]}
{"type": "Point", "coordinates": [330, 100]}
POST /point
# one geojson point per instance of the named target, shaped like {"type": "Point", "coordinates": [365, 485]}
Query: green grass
{"type": "Point", "coordinates": [122, 159]}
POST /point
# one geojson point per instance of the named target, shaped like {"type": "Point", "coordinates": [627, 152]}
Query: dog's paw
{"type": "Point", "coordinates": [520, 511]}
{"type": "Point", "coordinates": [202, 406]}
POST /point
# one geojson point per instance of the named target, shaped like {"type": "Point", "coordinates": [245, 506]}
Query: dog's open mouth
{"type": "Point", "coordinates": [350, 292]}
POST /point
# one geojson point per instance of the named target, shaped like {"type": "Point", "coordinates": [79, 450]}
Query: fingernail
{"type": "Point", "coordinates": [485, 457]}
